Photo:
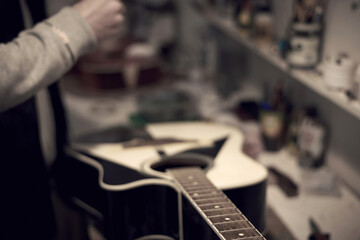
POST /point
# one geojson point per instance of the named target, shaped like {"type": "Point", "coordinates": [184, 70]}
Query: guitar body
{"type": "Point", "coordinates": [130, 196]}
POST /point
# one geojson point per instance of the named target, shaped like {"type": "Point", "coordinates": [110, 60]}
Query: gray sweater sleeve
{"type": "Point", "coordinates": [41, 55]}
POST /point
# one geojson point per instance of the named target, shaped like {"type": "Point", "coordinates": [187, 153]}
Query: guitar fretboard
{"type": "Point", "coordinates": [216, 208]}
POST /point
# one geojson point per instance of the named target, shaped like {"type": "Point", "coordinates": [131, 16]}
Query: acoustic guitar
{"type": "Point", "coordinates": [187, 182]}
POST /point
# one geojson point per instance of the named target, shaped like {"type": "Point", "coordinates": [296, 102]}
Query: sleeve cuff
{"type": "Point", "coordinates": [74, 31]}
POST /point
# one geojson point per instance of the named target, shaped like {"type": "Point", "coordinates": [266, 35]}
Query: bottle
{"type": "Point", "coordinates": [262, 21]}
{"type": "Point", "coordinates": [312, 140]}
{"type": "Point", "coordinates": [274, 116]}
{"type": "Point", "coordinates": [271, 122]}
{"type": "Point", "coordinates": [243, 16]}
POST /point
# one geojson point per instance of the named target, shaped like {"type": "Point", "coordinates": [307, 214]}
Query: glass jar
{"type": "Point", "coordinates": [304, 45]}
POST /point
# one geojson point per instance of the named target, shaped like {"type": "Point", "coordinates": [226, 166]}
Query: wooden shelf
{"type": "Point", "coordinates": [309, 78]}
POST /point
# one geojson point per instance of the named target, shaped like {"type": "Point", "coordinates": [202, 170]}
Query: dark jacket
{"type": "Point", "coordinates": [26, 210]}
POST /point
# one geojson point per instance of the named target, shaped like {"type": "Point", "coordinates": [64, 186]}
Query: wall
{"type": "Point", "coordinates": [342, 28]}
{"type": "Point", "coordinates": [342, 34]}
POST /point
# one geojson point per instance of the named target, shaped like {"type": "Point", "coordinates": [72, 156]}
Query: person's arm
{"type": "Point", "coordinates": [41, 55]}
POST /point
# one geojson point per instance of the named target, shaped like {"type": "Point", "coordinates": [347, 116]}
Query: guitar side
{"type": "Point", "coordinates": [125, 205]}
{"type": "Point", "coordinates": [142, 201]}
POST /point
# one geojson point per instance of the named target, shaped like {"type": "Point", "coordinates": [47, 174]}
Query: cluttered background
{"type": "Point", "coordinates": [284, 72]}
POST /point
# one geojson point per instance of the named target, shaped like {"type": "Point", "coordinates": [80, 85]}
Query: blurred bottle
{"type": "Point", "coordinates": [243, 14]}
{"type": "Point", "coordinates": [305, 34]}
{"type": "Point", "coordinates": [312, 139]}
{"type": "Point", "coordinates": [263, 22]}
{"type": "Point", "coordinates": [274, 115]}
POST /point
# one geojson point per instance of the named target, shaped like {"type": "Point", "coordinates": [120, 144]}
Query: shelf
{"type": "Point", "coordinates": [329, 211]}
{"type": "Point", "coordinates": [309, 78]}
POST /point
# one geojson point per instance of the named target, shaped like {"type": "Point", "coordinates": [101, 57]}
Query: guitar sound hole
{"type": "Point", "coordinates": [183, 160]}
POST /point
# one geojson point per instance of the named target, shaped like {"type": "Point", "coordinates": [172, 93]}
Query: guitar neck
{"type": "Point", "coordinates": [215, 207]}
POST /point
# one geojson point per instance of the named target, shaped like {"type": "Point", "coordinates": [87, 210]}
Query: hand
{"type": "Point", "coordinates": [104, 16]}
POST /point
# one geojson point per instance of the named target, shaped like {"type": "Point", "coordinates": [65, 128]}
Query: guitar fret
{"type": "Point", "coordinates": [211, 204]}
{"type": "Point", "coordinates": [220, 212]}
{"type": "Point", "coordinates": [236, 230]}
{"type": "Point", "coordinates": [223, 215]}
{"type": "Point", "coordinates": [211, 200]}
{"type": "Point", "coordinates": [241, 234]}
{"type": "Point", "coordinates": [216, 206]}
{"type": "Point", "coordinates": [195, 179]}
{"type": "Point", "coordinates": [242, 224]}
{"type": "Point", "coordinates": [187, 181]}
{"type": "Point", "coordinates": [229, 218]}
{"type": "Point", "coordinates": [195, 188]}
{"type": "Point", "coordinates": [199, 185]}
{"type": "Point", "coordinates": [204, 191]}
{"type": "Point", "coordinates": [187, 176]}
{"type": "Point", "coordinates": [196, 195]}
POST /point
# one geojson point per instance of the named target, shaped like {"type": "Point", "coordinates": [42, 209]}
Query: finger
{"type": "Point", "coordinates": [116, 6]}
